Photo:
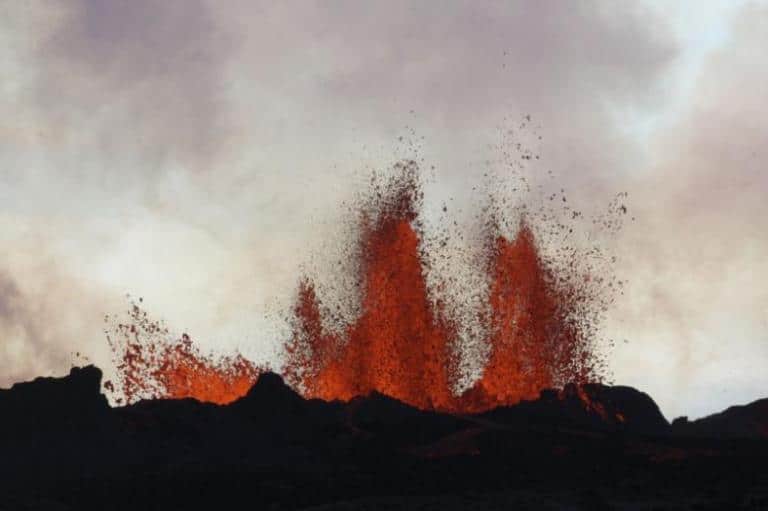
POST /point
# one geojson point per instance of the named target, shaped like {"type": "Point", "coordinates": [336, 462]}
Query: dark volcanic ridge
{"type": "Point", "coordinates": [589, 444]}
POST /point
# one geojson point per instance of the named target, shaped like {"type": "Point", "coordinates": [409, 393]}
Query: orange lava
{"type": "Point", "coordinates": [185, 373]}
{"type": "Point", "coordinates": [401, 343]}
{"type": "Point", "coordinates": [400, 346]}
{"type": "Point", "coordinates": [534, 342]}
{"type": "Point", "coordinates": [151, 366]}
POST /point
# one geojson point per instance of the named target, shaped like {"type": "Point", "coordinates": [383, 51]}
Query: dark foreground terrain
{"type": "Point", "coordinates": [591, 447]}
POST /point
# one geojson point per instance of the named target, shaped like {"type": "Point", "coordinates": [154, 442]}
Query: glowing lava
{"type": "Point", "coordinates": [401, 343]}
{"type": "Point", "coordinates": [398, 346]}
{"type": "Point", "coordinates": [535, 341]}
{"type": "Point", "coordinates": [402, 347]}
{"type": "Point", "coordinates": [152, 366]}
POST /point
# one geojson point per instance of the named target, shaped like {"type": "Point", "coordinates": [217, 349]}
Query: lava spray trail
{"type": "Point", "coordinates": [538, 323]}
{"type": "Point", "coordinates": [536, 341]}
{"type": "Point", "coordinates": [151, 364]}
{"type": "Point", "coordinates": [403, 345]}
{"type": "Point", "coordinates": [399, 345]}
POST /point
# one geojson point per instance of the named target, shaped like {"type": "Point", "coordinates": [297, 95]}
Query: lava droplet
{"type": "Point", "coordinates": [537, 321]}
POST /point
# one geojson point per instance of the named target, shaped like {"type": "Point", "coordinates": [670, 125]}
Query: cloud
{"type": "Point", "coordinates": [134, 80]}
{"type": "Point", "coordinates": [697, 255]}
{"type": "Point", "coordinates": [44, 320]}
{"type": "Point", "coordinates": [21, 331]}
{"type": "Point", "coordinates": [352, 72]}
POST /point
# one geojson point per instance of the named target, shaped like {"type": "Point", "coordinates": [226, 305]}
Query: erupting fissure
{"type": "Point", "coordinates": [402, 343]}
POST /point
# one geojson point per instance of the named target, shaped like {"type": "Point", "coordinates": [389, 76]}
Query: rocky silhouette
{"type": "Point", "coordinates": [581, 447]}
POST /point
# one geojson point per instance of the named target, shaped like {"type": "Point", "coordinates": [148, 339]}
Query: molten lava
{"type": "Point", "coordinates": [402, 347]}
{"type": "Point", "coordinates": [398, 346]}
{"type": "Point", "coordinates": [151, 366]}
{"type": "Point", "coordinates": [535, 343]}
{"type": "Point", "coordinates": [401, 343]}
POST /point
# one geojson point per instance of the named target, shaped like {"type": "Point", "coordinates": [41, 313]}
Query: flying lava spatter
{"type": "Point", "coordinates": [152, 366]}
{"type": "Point", "coordinates": [401, 343]}
{"type": "Point", "coordinates": [403, 346]}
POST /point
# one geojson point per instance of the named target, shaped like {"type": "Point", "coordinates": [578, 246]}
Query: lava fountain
{"type": "Point", "coordinates": [399, 345]}
{"type": "Point", "coordinates": [536, 320]}
{"type": "Point", "coordinates": [152, 365]}
{"type": "Point", "coordinates": [402, 344]}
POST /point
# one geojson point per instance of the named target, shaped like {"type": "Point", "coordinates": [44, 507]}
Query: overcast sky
{"type": "Point", "coordinates": [196, 153]}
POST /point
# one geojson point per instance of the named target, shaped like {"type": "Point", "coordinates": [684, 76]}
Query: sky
{"type": "Point", "coordinates": [196, 153]}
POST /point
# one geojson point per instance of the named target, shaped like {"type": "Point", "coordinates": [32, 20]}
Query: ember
{"type": "Point", "coordinates": [537, 320]}
{"type": "Point", "coordinates": [402, 346]}
{"type": "Point", "coordinates": [151, 365]}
